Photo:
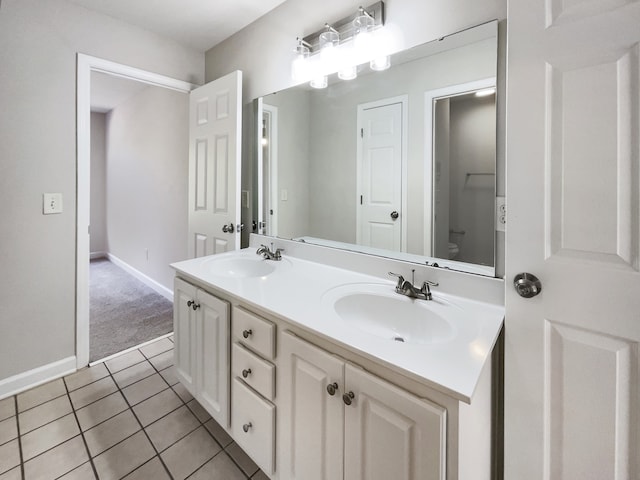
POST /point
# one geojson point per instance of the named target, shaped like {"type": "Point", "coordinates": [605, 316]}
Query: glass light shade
{"type": "Point", "coordinates": [348, 73]}
{"type": "Point", "coordinates": [320, 82]}
{"type": "Point", "coordinates": [362, 24]}
{"type": "Point", "coordinates": [328, 40]}
{"type": "Point", "coordinates": [299, 66]}
{"type": "Point", "coordinates": [380, 63]}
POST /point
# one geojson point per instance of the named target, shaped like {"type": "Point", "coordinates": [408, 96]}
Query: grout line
{"type": "Point", "coordinates": [15, 405]}
{"type": "Point", "coordinates": [130, 349]}
{"type": "Point", "coordinates": [84, 440]}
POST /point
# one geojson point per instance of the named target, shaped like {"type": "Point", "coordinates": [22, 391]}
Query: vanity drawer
{"type": "Point", "coordinates": [255, 371]}
{"type": "Point", "coordinates": [253, 425]}
{"type": "Point", "coordinates": [254, 332]}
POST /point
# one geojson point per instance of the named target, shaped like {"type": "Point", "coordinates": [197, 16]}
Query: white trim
{"type": "Point", "coordinates": [37, 376]}
{"type": "Point", "coordinates": [85, 65]}
{"type": "Point", "coordinates": [404, 100]}
{"type": "Point", "coordinates": [148, 281]}
{"type": "Point", "coordinates": [94, 255]}
{"type": "Point", "coordinates": [130, 349]}
{"type": "Point", "coordinates": [429, 97]}
{"type": "Point", "coordinates": [272, 112]}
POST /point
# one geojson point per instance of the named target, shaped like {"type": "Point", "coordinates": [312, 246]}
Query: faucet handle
{"type": "Point", "coordinates": [399, 277]}
{"type": "Point", "coordinates": [429, 282]}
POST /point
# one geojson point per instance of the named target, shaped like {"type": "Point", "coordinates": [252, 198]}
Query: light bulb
{"type": "Point", "coordinates": [380, 63]}
{"type": "Point", "coordinates": [348, 73]}
{"type": "Point", "coordinates": [320, 82]}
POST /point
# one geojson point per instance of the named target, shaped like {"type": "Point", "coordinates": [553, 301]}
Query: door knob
{"type": "Point", "coordinates": [228, 228]}
{"type": "Point", "coordinates": [395, 215]}
{"type": "Point", "coordinates": [527, 285]}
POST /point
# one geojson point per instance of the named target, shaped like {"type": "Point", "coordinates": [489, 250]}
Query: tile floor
{"type": "Point", "coordinates": [127, 418]}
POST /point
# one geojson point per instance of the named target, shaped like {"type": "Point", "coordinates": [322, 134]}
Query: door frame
{"type": "Point", "coordinates": [87, 64]}
{"type": "Point", "coordinates": [429, 112]}
{"type": "Point", "coordinates": [272, 222]}
{"type": "Point", "coordinates": [404, 100]}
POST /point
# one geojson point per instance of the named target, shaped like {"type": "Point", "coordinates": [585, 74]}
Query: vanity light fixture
{"type": "Point", "coordinates": [342, 46]}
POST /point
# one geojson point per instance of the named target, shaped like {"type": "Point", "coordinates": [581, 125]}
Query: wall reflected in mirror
{"type": "Point", "coordinates": [399, 163]}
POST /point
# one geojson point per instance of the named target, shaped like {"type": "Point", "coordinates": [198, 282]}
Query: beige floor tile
{"type": "Point", "coordinates": [199, 411]}
{"type": "Point", "coordinates": [8, 430]}
{"type": "Point", "coordinates": [114, 430]}
{"type": "Point", "coordinates": [219, 467]}
{"type": "Point", "coordinates": [157, 406]}
{"type": "Point", "coordinates": [169, 375]}
{"type": "Point", "coordinates": [144, 389]}
{"type": "Point", "coordinates": [133, 374]}
{"type": "Point", "coordinates": [124, 361]}
{"type": "Point", "coordinates": [57, 461]}
{"type": "Point", "coordinates": [162, 361]}
{"type": "Point", "coordinates": [83, 472]}
{"type": "Point", "coordinates": [86, 376]}
{"type": "Point", "coordinates": [156, 347]}
{"type": "Point", "coordinates": [171, 428]}
{"type": "Point", "coordinates": [101, 410]}
{"type": "Point", "coordinates": [13, 474]}
{"type": "Point", "coordinates": [123, 458]}
{"type": "Point", "coordinates": [45, 413]}
{"type": "Point", "coordinates": [41, 394]}
{"type": "Point", "coordinates": [182, 392]}
{"type": "Point", "coordinates": [219, 433]}
{"type": "Point", "coordinates": [190, 453]}
{"type": "Point", "coordinates": [7, 407]}
{"type": "Point", "coordinates": [48, 436]}
{"type": "Point", "coordinates": [153, 469]}
{"type": "Point", "coordinates": [9, 455]}
{"type": "Point", "coordinates": [242, 459]}
{"type": "Point", "coordinates": [92, 392]}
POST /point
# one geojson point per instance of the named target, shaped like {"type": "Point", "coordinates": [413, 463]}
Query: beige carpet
{"type": "Point", "coordinates": [124, 312]}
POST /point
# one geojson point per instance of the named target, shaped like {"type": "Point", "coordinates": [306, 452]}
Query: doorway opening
{"type": "Point", "coordinates": [135, 189]}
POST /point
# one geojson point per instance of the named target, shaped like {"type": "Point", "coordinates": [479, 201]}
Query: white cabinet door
{"type": "Point", "coordinates": [184, 328]}
{"type": "Point", "coordinates": [213, 356]}
{"type": "Point", "coordinates": [390, 433]}
{"type": "Point", "coordinates": [311, 420]}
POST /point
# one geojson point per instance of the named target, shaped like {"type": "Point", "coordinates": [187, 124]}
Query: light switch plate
{"type": "Point", "coordinates": [501, 214]}
{"type": "Point", "coordinates": [51, 203]}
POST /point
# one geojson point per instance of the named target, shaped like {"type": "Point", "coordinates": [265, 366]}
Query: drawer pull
{"type": "Point", "coordinates": [247, 333]}
{"type": "Point", "coordinates": [348, 397]}
{"type": "Point", "coordinates": [246, 427]}
{"type": "Point", "coordinates": [331, 388]}
{"type": "Point", "coordinates": [246, 372]}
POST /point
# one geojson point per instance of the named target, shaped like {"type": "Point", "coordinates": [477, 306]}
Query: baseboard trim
{"type": "Point", "coordinates": [37, 376]}
{"type": "Point", "coordinates": [94, 255]}
{"type": "Point", "coordinates": [148, 281]}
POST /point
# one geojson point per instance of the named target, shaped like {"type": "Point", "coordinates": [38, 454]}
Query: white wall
{"type": "Point", "coordinates": [98, 231]}
{"type": "Point", "coordinates": [39, 41]}
{"type": "Point", "coordinates": [146, 181]}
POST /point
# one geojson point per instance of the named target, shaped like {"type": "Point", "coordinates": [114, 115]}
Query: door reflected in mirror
{"type": "Point", "coordinates": [399, 163]}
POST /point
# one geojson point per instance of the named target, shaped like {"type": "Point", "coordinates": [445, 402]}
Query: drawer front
{"type": "Point", "coordinates": [257, 416]}
{"type": "Point", "coordinates": [255, 371]}
{"type": "Point", "coordinates": [255, 332]}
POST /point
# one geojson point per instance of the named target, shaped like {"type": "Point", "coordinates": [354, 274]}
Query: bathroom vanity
{"type": "Point", "coordinates": [318, 369]}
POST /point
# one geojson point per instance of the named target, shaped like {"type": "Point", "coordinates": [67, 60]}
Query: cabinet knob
{"type": "Point", "coordinates": [246, 427]}
{"type": "Point", "coordinates": [193, 304]}
{"type": "Point", "coordinates": [331, 388]}
{"type": "Point", "coordinates": [246, 372]}
{"type": "Point", "coordinates": [247, 333]}
{"type": "Point", "coordinates": [348, 397]}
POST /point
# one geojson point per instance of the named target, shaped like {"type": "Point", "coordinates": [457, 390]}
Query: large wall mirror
{"type": "Point", "coordinates": [399, 163]}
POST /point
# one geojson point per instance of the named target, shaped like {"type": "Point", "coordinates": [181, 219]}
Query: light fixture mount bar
{"type": "Point", "coordinates": [344, 26]}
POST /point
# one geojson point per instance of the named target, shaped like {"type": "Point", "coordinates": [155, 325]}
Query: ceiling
{"type": "Point", "coordinates": [199, 24]}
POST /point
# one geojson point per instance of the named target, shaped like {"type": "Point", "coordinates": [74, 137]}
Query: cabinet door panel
{"type": "Point", "coordinates": [390, 433]}
{"type": "Point", "coordinates": [184, 328]}
{"type": "Point", "coordinates": [312, 421]}
{"type": "Point", "coordinates": [213, 355]}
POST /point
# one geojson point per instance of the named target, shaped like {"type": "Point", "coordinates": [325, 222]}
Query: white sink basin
{"type": "Point", "coordinates": [377, 310]}
{"type": "Point", "coordinates": [244, 266]}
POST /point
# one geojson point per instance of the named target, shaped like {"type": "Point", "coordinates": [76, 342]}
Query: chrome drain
{"type": "Point", "coordinates": [398, 339]}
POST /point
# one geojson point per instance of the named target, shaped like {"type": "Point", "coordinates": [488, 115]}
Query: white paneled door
{"type": "Point", "coordinates": [572, 407]}
{"type": "Point", "coordinates": [379, 175]}
{"type": "Point", "coordinates": [215, 120]}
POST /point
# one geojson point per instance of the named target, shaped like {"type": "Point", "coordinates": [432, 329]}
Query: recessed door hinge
{"type": "Point", "coordinates": [362, 133]}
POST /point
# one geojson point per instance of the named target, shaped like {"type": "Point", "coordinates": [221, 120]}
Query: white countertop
{"type": "Point", "coordinates": [295, 290]}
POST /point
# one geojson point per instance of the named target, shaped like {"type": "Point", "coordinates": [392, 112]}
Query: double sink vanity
{"type": "Point", "coordinates": [321, 365]}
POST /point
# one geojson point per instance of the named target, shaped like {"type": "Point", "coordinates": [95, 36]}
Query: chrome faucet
{"type": "Point", "coordinates": [270, 254]}
{"type": "Point", "coordinates": [407, 288]}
